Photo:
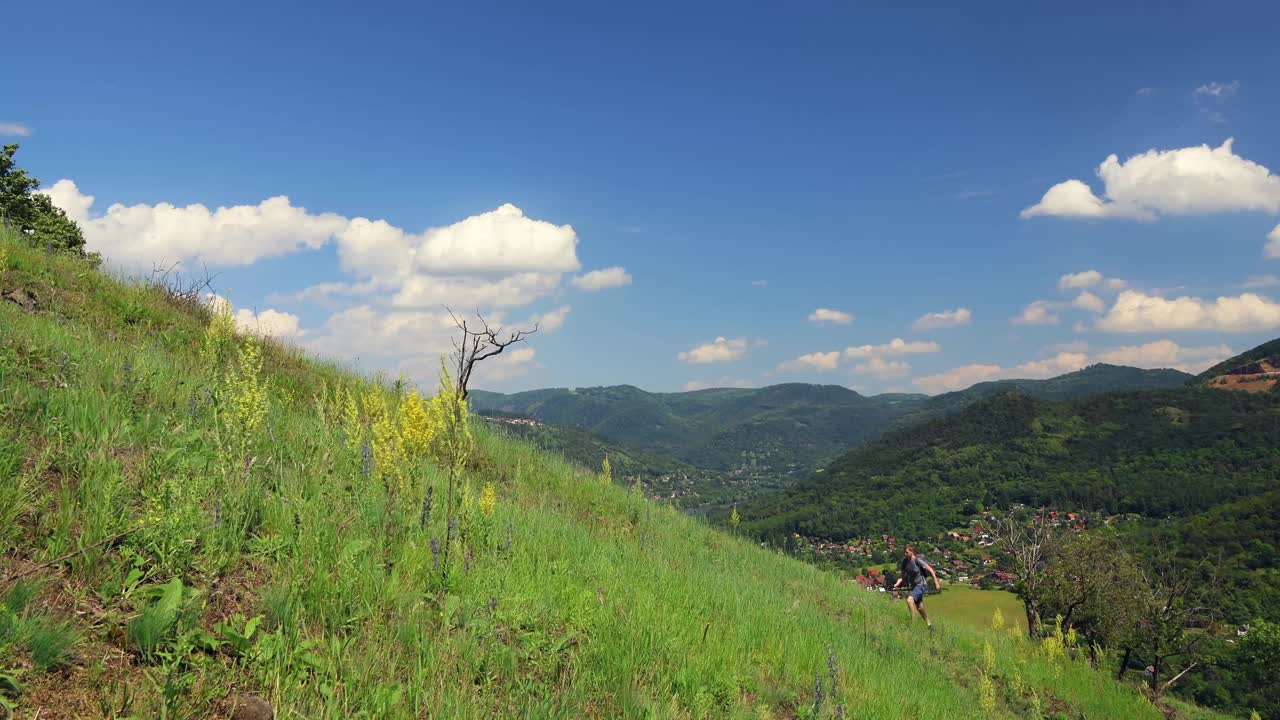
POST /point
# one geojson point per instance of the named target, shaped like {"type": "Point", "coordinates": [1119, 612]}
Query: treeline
{"type": "Point", "coordinates": [1142, 607]}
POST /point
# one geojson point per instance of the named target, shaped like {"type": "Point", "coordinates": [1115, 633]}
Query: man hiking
{"type": "Point", "coordinates": [913, 569]}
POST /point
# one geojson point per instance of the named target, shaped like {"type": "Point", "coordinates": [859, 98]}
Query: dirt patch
{"type": "Point", "coordinates": [235, 593]}
{"type": "Point", "coordinates": [80, 692]}
{"type": "Point", "coordinates": [22, 298]}
{"type": "Point", "coordinates": [1255, 383]}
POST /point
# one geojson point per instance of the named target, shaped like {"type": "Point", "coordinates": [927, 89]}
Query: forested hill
{"type": "Point", "coordinates": [1159, 453]}
{"type": "Point", "coordinates": [1093, 380]}
{"type": "Point", "coordinates": [790, 429]}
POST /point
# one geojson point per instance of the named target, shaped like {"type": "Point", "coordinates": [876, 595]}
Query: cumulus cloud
{"type": "Point", "coordinates": [1136, 311]}
{"type": "Point", "coordinates": [601, 279]}
{"type": "Point", "coordinates": [268, 323]}
{"type": "Point", "coordinates": [719, 350]}
{"type": "Point", "coordinates": [827, 315]}
{"type": "Point", "coordinates": [1273, 242]}
{"type": "Point", "coordinates": [966, 375]}
{"type": "Point", "coordinates": [1199, 179]}
{"type": "Point", "coordinates": [499, 257]}
{"type": "Point", "coordinates": [944, 319]}
{"type": "Point", "coordinates": [14, 129]}
{"type": "Point", "coordinates": [1085, 279]}
{"type": "Point", "coordinates": [813, 361]}
{"type": "Point", "coordinates": [1040, 312]}
{"type": "Point", "coordinates": [552, 321]}
{"type": "Point", "coordinates": [1088, 301]}
{"type": "Point", "coordinates": [896, 346]}
{"type": "Point", "coordinates": [881, 368]}
{"type": "Point", "coordinates": [724, 382]}
{"type": "Point", "coordinates": [1166, 354]}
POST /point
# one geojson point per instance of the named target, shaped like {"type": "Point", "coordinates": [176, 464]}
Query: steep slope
{"type": "Point", "coordinates": [1257, 370]}
{"type": "Point", "coordinates": [1157, 453]}
{"type": "Point", "coordinates": [186, 523]}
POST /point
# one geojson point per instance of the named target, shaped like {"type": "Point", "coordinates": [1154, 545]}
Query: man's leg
{"type": "Point", "coordinates": [911, 609]}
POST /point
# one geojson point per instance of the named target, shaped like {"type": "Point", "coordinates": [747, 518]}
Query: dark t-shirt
{"type": "Point", "coordinates": [914, 571]}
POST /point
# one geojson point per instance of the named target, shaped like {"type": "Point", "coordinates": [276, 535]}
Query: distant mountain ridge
{"type": "Point", "coordinates": [787, 430]}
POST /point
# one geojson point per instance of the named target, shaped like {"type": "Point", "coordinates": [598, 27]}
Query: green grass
{"type": "Point", "coordinates": [976, 608]}
{"type": "Point", "coordinates": [573, 599]}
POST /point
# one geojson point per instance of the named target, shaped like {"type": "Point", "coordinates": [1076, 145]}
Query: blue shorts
{"type": "Point", "coordinates": [917, 594]}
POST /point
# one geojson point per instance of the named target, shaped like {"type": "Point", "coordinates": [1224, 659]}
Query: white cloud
{"type": "Point", "coordinates": [1145, 91]}
{"type": "Point", "coordinates": [15, 129]}
{"type": "Point", "coordinates": [1188, 180]}
{"type": "Point", "coordinates": [1136, 311]}
{"type": "Point", "coordinates": [1086, 279]}
{"type": "Point", "coordinates": [268, 323]}
{"type": "Point", "coordinates": [1166, 354]}
{"type": "Point", "coordinates": [896, 346]}
{"type": "Point", "coordinates": [824, 315]}
{"type": "Point", "coordinates": [601, 279]}
{"type": "Point", "coordinates": [552, 321]}
{"type": "Point", "coordinates": [813, 361]}
{"type": "Point", "coordinates": [717, 351]}
{"type": "Point", "coordinates": [1088, 301]}
{"type": "Point", "coordinates": [957, 378]}
{"type": "Point", "coordinates": [1273, 242]}
{"type": "Point", "coordinates": [501, 240]}
{"type": "Point", "coordinates": [423, 291]}
{"type": "Point", "coordinates": [946, 318]}
{"type": "Point", "coordinates": [1040, 312]}
{"type": "Point", "coordinates": [500, 257]}
{"type": "Point", "coordinates": [1218, 89]}
{"type": "Point", "coordinates": [724, 382]}
{"type": "Point", "coordinates": [966, 375]}
{"type": "Point", "coordinates": [1262, 281]}
{"type": "Point", "coordinates": [510, 364]}
{"type": "Point", "coordinates": [881, 368]}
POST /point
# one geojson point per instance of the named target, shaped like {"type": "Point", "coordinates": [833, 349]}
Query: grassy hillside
{"type": "Point", "coordinates": [166, 550]}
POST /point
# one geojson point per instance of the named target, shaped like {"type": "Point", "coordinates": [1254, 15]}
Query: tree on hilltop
{"type": "Point", "coordinates": [32, 213]}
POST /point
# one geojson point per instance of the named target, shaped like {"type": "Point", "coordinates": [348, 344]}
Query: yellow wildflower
{"type": "Point", "coordinates": [488, 499]}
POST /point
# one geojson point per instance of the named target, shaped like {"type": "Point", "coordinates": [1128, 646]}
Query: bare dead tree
{"type": "Point", "coordinates": [478, 343]}
{"type": "Point", "coordinates": [184, 290]}
{"type": "Point", "coordinates": [1030, 546]}
{"type": "Point", "coordinates": [1173, 601]}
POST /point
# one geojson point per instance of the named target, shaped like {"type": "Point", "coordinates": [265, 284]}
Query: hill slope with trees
{"type": "Point", "coordinates": [194, 523]}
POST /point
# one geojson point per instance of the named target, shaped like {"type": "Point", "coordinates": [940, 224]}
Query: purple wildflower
{"type": "Point", "coordinates": [453, 524]}
{"type": "Point", "coordinates": [466, 560]}
{"type": "Point", "coordinates": [493, 605]}
{"type": "Point", "coordinates": [817, 692]}
{"type": "Point", "coordinates": [435, 553]}
{"type": "Point", "coordinates": [366, 458]}
{"type": "Point", "coordinates": [193, 405]}
{"type": "Point", "coordinates": [426, 508]}
{"type": "Point", "coordinates": [217, 514]}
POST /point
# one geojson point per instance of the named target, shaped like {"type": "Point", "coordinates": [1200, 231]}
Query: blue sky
{"type": "Point", "coordinates": [734, 169]}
